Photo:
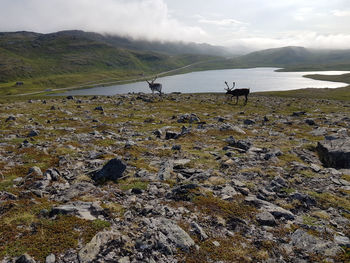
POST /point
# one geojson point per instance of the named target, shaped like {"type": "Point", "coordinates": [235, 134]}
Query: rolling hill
{"type": "Point", "coordinates": [26, 55]}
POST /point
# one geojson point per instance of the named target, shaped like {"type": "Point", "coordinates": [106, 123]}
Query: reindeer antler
{"type": "Point", "coordinates": [228, 88]}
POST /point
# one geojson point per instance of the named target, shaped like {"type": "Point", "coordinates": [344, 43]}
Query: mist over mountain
{"type": "Point", "coordinates": [29, 54]}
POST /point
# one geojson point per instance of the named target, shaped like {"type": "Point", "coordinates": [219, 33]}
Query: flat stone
{"type": "Point", "coordinates": [84, 210]}
{"type": "Point", "coordinates": [175, 234]}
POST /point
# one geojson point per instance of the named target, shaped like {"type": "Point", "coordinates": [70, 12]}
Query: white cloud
{"type": "Point", "coordinates": [221, 22]}
{"type": "Point", "coordinates": [303, 13]}
{"type": "Point", "coordinates": [341, 13]}
{"type": "Point", "coordinates": [148, 19]}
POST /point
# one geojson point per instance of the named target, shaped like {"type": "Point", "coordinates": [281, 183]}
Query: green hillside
{"type": "Point", "coordinates": [65, 58]}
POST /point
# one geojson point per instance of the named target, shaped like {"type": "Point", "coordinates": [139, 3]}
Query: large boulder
{"type": "Point", "coordinates": [335, 153]}
{"type": "Point", "coordinates": [113, 170]}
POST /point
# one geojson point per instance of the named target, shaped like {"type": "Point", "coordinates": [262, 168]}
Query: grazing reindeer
{"type": "Point", "coordinates": [155, 86]}
{"type": "Point", "coordinates": [237, 92]}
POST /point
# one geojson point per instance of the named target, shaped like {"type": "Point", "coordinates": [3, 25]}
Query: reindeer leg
{"type": "Point", "coordinates": [236, 99]}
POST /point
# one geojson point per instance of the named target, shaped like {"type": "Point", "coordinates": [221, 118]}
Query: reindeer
{"type": "Point", "coordinates": [237, 92]}
{"type": "Point", "coordinates": [155, 86]}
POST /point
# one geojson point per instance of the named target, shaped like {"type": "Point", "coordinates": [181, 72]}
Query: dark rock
{"type": "Point", "coordinates": [241, 144]}
{"type": "Point", "coordinates": [310, 122]}
{"type": "Point", "coordinates": [25, 258]}
{"type": "Point", "coordinates": [335, 153]}
{"type": "Point", "coordinates": [158, 133]}
{"type": "Point", "coordinates": [298, 113]}
{"type": "Point", "coordinates": [113, 170]}
{"type": "Point", "coordinates": [266, 219]}
{"type": "Point", "coordinates": [10, 118]}
{"type": "Point", "coordinates": [188, 118]}
{"type": "Point", "coordinates": [33, 133]}
{"type": "Point", "coordinates": [99, 108]}
{"type": "Point", "coordinates": [248, 122]}
{"type": "Point", "coordinates": [176, 147]}
{"type": "Point", "coordinates": [70, 97]}
{"type": "Point", "coordinates": [52, 174]}
{"type": "Point", "coordinates": [171, 135]}
{"type": "Point", "coordinates": [136, 191]}
{"type": "Point", "coordinates": [304, 199]}
{"type": "Point", "coordinates": [4, 196]}
{"type": "Point", "coordinates": [184, 192]}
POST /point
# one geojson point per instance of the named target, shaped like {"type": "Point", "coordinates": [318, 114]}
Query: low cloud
{"type": "Point", "coordinates": [304, 39]}
{"type": "Point", "coordinates": [341, 13]}
{"type": "Point", "coordinates": [221, 22]}
{"type": "Point", "coordinates": [149, 19]}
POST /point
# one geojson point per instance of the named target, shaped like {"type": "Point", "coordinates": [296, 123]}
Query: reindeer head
{"type": "Point", "coordinates": [228, 88]}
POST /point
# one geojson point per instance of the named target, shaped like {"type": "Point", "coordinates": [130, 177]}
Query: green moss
{"type": "Point", "coordinates": [227, 209]}
{"type": "Point", "coordinates": [130, 184]}
{"type": "Point", "coordinates": [235, 249]}
{"type": "Point", "coordinates": [23, 231]}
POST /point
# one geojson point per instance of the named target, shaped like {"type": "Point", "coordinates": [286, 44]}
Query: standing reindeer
{"type": "Point", "coordinates": [237, 92]}
{"type": "Point", "coordinates": [155, 86]}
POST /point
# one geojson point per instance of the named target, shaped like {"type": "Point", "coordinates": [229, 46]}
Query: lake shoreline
{"type": "Point", "coordinates": [210, 81]}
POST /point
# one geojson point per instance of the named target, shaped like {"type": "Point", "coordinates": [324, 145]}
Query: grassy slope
{"type": "Point", "coordinates": [57, 61]}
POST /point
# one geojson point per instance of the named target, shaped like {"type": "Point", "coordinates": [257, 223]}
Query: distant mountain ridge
{"type": "Point", "coordinates": [290, 58]}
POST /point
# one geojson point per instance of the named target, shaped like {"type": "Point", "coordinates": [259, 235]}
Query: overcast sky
{"type": "Point", "coordinates": [257, 24]}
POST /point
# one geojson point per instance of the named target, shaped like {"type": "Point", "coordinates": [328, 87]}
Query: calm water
{"type": "Point", "coordinates": [257, 79]}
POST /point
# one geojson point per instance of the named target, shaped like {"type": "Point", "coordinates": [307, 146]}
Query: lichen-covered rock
{"type": "Point", "coordinates": [91, 250]}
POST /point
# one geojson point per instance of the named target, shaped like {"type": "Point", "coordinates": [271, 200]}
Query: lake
{"type": "Point", "coordinates": [257, 79]}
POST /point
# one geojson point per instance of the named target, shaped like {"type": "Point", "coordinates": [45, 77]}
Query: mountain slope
{"type": "Point", "coordinates": [28, 55]}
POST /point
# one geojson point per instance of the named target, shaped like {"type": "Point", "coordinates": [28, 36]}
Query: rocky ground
{"type": "Point", "coordinates": [181, 178]}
